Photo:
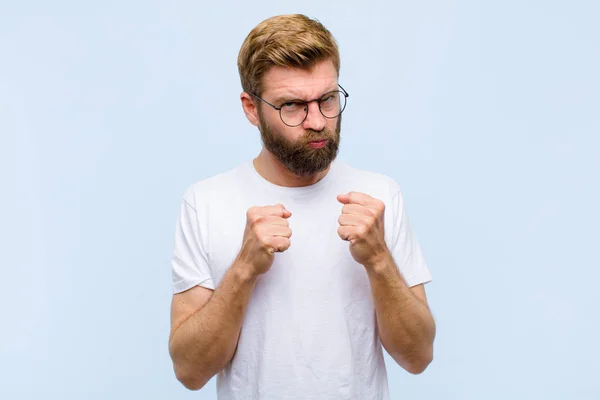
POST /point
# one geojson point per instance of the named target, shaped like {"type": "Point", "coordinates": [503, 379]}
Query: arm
{"type": "Point", "coordinates": [206, 326]}
{"type": "Point", "coordinates": [406, 326]}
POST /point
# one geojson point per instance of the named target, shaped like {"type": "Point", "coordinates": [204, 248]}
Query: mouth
{"type": "Point", "coordinates": [316, 144]}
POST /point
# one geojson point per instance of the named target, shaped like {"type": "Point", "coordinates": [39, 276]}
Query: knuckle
{"type": "Point", "coordinates": [257, 220]}
{"type": "Point", "coordinates": [265, 240]}
{"type": "Point", "coordinates": [258, 232]}
{"type": "Point", "coordinates": [361, 231]}
{"type": "Point", "coordinates": [255, 214]}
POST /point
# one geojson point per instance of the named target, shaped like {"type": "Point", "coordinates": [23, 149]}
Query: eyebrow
{"type": "Point", "coordinates": [285, 98]}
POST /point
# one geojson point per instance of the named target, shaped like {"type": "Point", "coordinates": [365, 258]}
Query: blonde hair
{"type": "Point", "coordinates": [293, 41]}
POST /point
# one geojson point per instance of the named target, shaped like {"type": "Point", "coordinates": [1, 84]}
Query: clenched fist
{"type": "Point", "coordinates": [267, 231]}
{"type": "Point", "coordinates": [361, 223]}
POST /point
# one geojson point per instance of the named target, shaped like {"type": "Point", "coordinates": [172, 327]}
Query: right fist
{"type": "Point", "coordinates": [267, 231]}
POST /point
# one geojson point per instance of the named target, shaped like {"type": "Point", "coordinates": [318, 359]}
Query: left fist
{"type": "Point", "coordinates": [361, 223]}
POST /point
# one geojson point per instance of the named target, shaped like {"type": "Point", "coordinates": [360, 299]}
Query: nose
{"type": "Point", "coordinates": [314, 120]}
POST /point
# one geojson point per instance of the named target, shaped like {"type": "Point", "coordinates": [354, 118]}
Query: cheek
{"type": "Point", "coordinates": [292, 135]}
{"type": "Point", "coordinates": [279, 130]}
{"type": "Point", "coordinates": [332, 124]}
{"type": "Point", "coordinates": [270, 118]}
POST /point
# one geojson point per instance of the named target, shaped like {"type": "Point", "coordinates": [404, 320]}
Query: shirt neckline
{"type": "Point", "coordinates": [300, 191]}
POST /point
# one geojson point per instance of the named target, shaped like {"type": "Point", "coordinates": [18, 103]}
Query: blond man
{"type": "Point", "coordinates": [293, 270]}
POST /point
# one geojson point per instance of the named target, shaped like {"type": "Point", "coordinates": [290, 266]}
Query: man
{"type": "Point", "coordinates": [291, 271]}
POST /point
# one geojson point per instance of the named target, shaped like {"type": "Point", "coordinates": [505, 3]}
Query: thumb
{"type": "Point", "coordinates": [285, 213]}
{"type": "Point", "coordinates": [344, 198]}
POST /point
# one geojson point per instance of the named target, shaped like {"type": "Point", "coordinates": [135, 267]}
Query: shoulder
{"type": "Point", "coordinates": [214, 187]}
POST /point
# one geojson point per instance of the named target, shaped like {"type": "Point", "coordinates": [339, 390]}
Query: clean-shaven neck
{"type": "Point", "coordinates": [271, 169]}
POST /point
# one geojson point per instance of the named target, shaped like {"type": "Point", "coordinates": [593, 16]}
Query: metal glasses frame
{"type": "Point", "coordinates": [306, 102]}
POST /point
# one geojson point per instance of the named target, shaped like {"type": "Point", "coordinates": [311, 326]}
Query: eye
{"type": "Point", "coordinates": [329, 98]}
{"type": "Point", "coordinates": [292, 106]}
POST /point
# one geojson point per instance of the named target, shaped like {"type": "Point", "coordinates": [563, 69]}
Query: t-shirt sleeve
{"type": "Point", "coordinates": [190, 258]}
{"type": "Point", "coordinates": [405, 247]}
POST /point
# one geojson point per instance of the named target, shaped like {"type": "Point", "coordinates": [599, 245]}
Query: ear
{"type": "Point", "coordinates": [249, 108]}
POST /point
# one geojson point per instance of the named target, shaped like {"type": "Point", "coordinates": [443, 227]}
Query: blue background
{"type": "Point", "coordinates": [486, 113]}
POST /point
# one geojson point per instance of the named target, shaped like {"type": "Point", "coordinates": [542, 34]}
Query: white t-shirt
{"type": "Point", "coordinates": [310, 328]}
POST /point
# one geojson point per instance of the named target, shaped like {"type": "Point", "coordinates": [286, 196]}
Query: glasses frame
{"type": "Point", "coordinates": [307, 102]}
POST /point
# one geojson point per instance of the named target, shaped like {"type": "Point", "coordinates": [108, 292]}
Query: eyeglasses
{"type": "Point", "coordinates": [294, 112]}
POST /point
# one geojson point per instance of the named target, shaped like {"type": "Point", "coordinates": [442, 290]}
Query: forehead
{"type": "Point", "coordinates": [300, 83]}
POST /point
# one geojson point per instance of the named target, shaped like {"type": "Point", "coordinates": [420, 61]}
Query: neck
{"type": "Point", "coordinates": [271, 169]}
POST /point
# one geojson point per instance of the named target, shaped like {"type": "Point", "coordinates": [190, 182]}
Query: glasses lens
{"type": "Point", "coordinates": [332, 104]}
{"type": "Point", "coordinates": [293, 113]}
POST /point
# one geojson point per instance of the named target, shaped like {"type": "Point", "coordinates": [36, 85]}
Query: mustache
{"type": "Point", "coordinates": [312, 135]}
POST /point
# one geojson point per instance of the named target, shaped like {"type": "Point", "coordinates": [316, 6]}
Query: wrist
{"type": "Point", "coordinates": [244, 272]}
{"type": "Point", "coordinates": [380, 263]}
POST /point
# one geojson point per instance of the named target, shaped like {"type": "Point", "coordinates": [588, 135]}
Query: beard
{"type": "Point", "coordinates": [299, 157]}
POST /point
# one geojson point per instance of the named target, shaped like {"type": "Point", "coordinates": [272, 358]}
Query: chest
{"type": "Point", "coordinates": [317, 255]}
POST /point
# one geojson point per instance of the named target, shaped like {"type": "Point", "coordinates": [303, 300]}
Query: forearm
{"type": "Point", "coordinates": [406, 326]}
{"type": "Point", "coordinates": [204, 343]}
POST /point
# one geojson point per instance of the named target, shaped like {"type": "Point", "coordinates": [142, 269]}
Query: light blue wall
{"type": "Point", "coordinates": [486, 113]}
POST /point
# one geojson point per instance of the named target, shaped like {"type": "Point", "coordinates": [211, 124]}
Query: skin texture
{"type": "Point", "coordinates": [206, 324]}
